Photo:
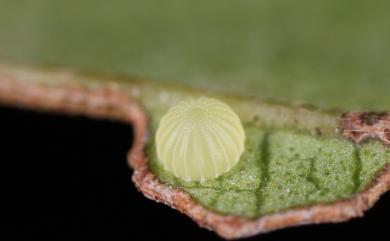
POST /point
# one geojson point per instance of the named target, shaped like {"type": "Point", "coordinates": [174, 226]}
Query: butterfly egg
{"type": "Point", "coordinates": [199, 139]}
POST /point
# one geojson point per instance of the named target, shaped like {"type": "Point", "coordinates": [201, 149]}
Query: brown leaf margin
{"type": "Point", "coordinates": [109, 102]}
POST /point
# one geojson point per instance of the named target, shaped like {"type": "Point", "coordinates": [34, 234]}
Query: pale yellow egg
{"type": "Point", "coordinates": [199, 139]}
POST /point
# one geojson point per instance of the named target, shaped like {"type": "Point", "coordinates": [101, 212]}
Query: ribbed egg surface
{"type": "Point", "coordinates": [199, 139]}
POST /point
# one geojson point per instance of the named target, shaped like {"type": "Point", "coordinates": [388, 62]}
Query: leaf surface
{"type": "Point", "coordinates": [330, 54]}
{"type": "Point", "coordinates": [294, 156]}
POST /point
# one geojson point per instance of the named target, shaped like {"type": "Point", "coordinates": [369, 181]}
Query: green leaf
{"type": "Point", "coordinates": [293, 157]}
{"type": "Point", "coordinates": [328, 53]}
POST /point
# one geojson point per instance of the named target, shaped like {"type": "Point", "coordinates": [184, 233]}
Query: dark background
{"type": "Point", "coordinates": [69, 181]}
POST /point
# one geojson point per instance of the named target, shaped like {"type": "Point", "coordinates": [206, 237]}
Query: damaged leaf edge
{"type": "Point", "coordinates": [108, 102]}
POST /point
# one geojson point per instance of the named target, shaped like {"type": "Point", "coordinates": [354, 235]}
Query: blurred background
{"type": "Point", "coordinates": [331, 53]}
{"type": "Point", "coordinates": [69, 178]}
